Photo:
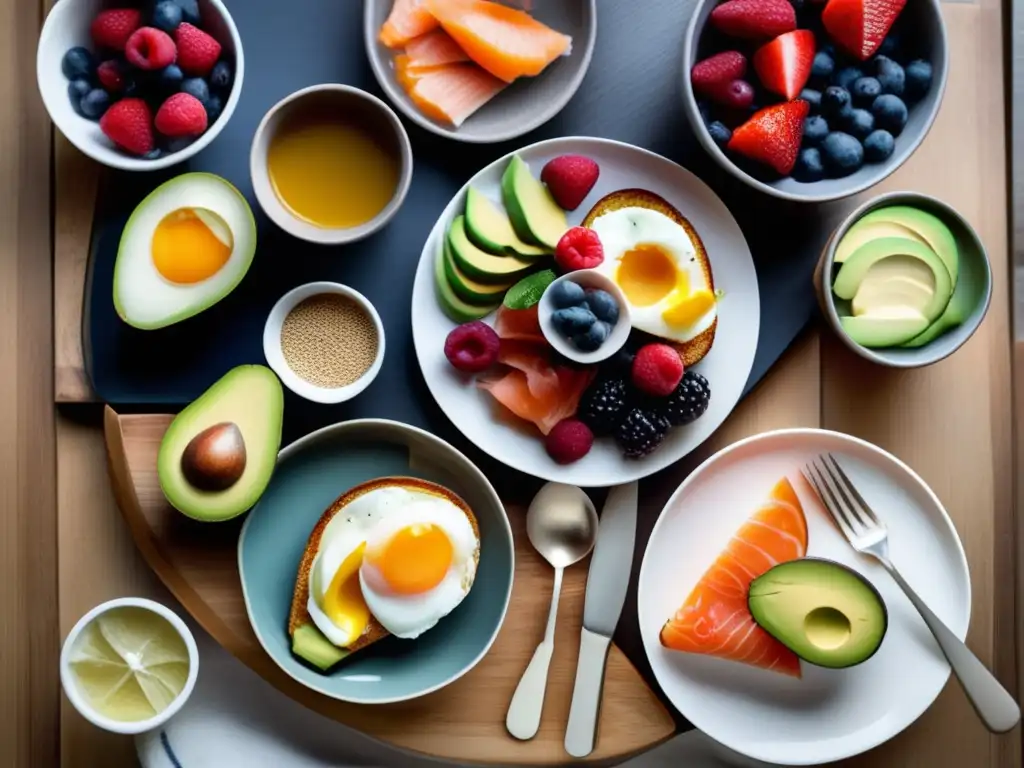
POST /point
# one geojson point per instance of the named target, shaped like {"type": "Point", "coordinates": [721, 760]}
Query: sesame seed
{"type": "Point", "coordinates": [329, 340]}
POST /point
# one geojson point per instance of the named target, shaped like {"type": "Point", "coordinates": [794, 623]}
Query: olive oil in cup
{"type": "Point", "coordinates": [331, 164]}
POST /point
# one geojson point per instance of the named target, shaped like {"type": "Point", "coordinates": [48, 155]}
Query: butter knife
{"type": "Point", "coordinates": [607, 582]}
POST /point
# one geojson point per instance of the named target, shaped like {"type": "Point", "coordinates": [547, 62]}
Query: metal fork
{"type": "Point", "coordinates": [868, 535]}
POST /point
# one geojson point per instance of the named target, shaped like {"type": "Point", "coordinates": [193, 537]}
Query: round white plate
{"type": "Point", "coordinates": [828, 714]}
{"type": "Point", "coordinates": [726, 366]}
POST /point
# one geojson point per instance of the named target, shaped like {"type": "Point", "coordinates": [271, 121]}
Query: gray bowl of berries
{"type": "Point", "coordinates": [140, 87]}
{"type": "Point", "coordinates": [799, 100]}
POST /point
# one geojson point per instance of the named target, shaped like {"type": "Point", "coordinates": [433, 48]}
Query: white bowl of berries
{"type": "Point", "coordinates": [804, 99]}
{"type": "Point", "coordinates": [140, 88]}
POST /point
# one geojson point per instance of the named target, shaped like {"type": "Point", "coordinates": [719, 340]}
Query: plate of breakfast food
{"type": "Point", "coordinates": [378, 564]}
{"type": "Point", "coordinates": [586, 311]}
{"type": "Point", "coordinates": [765, 628]}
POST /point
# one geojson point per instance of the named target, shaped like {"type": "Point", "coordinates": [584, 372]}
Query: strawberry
{"type": "Point", "coordinates": [197, 51]}
{"type": "Point", "coordinates": [112, 28]}
{"type": "Point", "coordinates": [772, 135]}
{"type": "Point", "coordinates": [181, 115]}
{"type": "Point", "coordinates": [784, 64]}
{"type": "Point", "coordinates": [859, 26]}
{"type": "Point", "coordinates": [754, 19]}
{"type": "Point", "coordinates": [569, 179]}
{"type": "Point", "coordinates": [717, 72]}
{"type": "Point", "coordinates": [129, 124]}
{"type": "Point", "coordinates": [150, 49]}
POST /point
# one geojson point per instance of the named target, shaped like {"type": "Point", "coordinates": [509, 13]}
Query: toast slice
{"type": "Point", "coordinates": [307, 641]}
{"type": "Point", "coordinates": [694, 350]}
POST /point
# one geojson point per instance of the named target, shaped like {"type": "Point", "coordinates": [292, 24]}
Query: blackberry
{"type": "Point", "coordinates": [641, 432]}
{"type": "Point", "coordinates": [689, 400]}
{"type": "Point", "coordinates": [603, 405]}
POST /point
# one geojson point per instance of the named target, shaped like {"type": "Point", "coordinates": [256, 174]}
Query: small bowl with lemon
{"type": "Point", "coordinates": [129, 665]}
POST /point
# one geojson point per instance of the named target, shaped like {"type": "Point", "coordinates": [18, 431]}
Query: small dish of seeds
{"type": "Point", "coordinates": [325, 341]}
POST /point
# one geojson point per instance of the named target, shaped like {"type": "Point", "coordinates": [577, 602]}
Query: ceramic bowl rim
{"type": "Point", "coordinates": [691, 41]}
{"type": "Point", "coordinates": [275, 209]}
{"type": "Point", "coordinates": [824, 269]}
{"type": "Point", "coordinates": [355, 425]}
{"type": "Point", "coordinates": [119, 160]}
{"type": "Point", "coordinates": [275, 357]}
{"type": "Point", "coordinates": [117, 726]}
{"type": "Point", "coordinates": [619, 334]}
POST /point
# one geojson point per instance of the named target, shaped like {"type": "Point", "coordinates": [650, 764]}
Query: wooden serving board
{"type": "Point", "coordinates": [199, 564]}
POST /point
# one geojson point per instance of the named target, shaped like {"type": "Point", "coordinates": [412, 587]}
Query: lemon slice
{"type": "Point", "coordinates": [130, 664]}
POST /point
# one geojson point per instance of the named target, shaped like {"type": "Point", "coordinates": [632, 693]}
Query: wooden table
{"type": "Point", "coordinates": [953, 422]}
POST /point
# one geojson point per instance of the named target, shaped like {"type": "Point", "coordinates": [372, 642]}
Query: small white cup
{"type": "Point", "coordinates": [587, 278]}
{"type": "Point", "coordinates": [274, 353]}
{"type": "Point", "coordinates": [70, 685]}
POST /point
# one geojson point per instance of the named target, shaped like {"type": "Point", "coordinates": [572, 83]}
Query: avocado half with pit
{"type": "Point", "coordinates": [217, 456]}
{"type": "Point", "coordinates": [827, 614]}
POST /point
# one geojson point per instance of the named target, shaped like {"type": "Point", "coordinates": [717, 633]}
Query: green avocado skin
{"type": "Point", "coordinates": [827, 614]}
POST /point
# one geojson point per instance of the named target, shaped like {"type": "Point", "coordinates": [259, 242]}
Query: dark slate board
{"type": "Point", "coordinates": [632, 93]}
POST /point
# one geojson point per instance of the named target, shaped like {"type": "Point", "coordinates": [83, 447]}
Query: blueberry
{"type": "Point", "coordinates": [171, 77]}
{"type": "Point", "coordinates": [890, 46]}
{"type": "Point", "coordinates": [77, 90]}
{"type": "Point", "coordinates": [196, 86]}
{"type": "Point", "coordinates": [890, 113]}
{"type": "Point", "coordinates": [189, 11]}
{"type": "Point", "coordinates": [845, 77]}
{"type": "Point", "coordinates": [573, 320]}
{"type": "Point", "coordinates": [834, 100]}
{"type": "Point", "coordinates": [214, 106]}
{"type": "Point", "coordinates": [95, 103]}
{"type": "Point", "coordinates": [131, 87]}
{"type": "Point", "coordinates": [918, 77]}
{"type": "Point", "coordinates": [176, 145]}
{"type": "Point", "coordinates": [878, 146]}
{"type": "Point", "coordinates": [815, 130]}
{"type": "Point", "coordinates": [153, 154]}
{"type": "Point", "coordinates": [566, 294]}
{"type": "Point", "coordinates": [890, 75]}
{"type": "Point", "coordinates": [78, 63]}
{"type": "Point", "coordinates": [591, 339]}
{"type": "Point", "coordinates": [865, 90]}
{"type": "Point", "coordinates": [221, 77]}
{"type": "Point", "coordinates": [604, 306]}
{"type": "Point", "coordinates": [813, 98]}
{"type": "Point", "coordinates": [858, 123]}
{"type": "Point", "coordinates": [167, 15]}
{"type": "Point", "coordinates": [822, 68]}
{"type": "Point", "coordinates": [719, 133]}
{"type": "Point", "coordinates": [808, 166]}
{"type": "Point", "coordinates": [842, 154]}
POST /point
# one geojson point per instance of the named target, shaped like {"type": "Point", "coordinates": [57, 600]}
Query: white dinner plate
{"type": "Point", "coordinates": [828, 714]}
{"type": "Point", "coordinates": [726, 366]}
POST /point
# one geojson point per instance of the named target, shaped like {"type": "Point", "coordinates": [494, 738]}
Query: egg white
{"type": "Point", "coordinates": [142, 296]}
{"type": "Point", "coordinates": [623, 230]}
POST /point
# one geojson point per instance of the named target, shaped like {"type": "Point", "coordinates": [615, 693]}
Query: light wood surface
{"type": "Point", "coordinates": [951, 422]}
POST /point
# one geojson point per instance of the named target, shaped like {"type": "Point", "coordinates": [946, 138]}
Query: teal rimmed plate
{"type": "Point", "coordinates": [311, 473]}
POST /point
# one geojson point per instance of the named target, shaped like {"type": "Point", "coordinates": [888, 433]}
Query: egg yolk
{"type": "Point", "coordinates": [415, 559]}
{"type": "Point", "coordinates": [191, 245]}
{"type": "Point", "coordinates": [647, 274]}
{"type": "Point", "coordinates": [343, 602]}
{"type": "Point", "coordinates": [687, 310]}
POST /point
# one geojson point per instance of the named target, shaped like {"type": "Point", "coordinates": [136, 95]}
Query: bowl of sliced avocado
{"type": "Point", "coordinates": [904, 281]}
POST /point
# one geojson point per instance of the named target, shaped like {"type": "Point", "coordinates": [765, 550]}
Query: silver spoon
{"type": "Point", "coordinates": [562, 526]}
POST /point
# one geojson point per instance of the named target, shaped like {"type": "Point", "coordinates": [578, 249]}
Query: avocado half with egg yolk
{"type": "Point", "coordinates": [217, 456]}
{"type": "Point", "coordinates": [826, 613]}
{"type": "Point", "coordinates": [186, 246]}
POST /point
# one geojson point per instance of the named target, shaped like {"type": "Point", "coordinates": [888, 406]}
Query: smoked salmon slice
{"type": "Point", "coordinates": [715, 620]}
{"type": "Point", "coordinates": [522, 324]}
{"type": "Point", "coordinates": [532, 359]}
{"type": "Point", "coordinates": [506, 42]}
{"type": "Point", "coordinates": [512, 390]}
{"type": "Point", "coordinates": [434, 49]}
{"type": "Point", "coordinates": [408, 19]}
{"type": "Point", "coordinates": [449, 93]}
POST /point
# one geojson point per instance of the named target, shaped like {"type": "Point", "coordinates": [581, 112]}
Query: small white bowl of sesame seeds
{"type": "Point", "coordinates": [325, 341]}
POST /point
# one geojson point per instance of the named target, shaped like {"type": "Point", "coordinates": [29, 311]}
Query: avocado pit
{"type": "Point", "coordinates": [214, 460]}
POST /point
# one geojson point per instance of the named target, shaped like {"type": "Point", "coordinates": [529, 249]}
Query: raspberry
{"type": "Point", "coordinates": [570, 178]}
{"type": "Point", "coordinates": [111, 76]}
{"type": "Point", "coordinates": [197, 51]}
{"type": "Point", "coordinates": [181, 115]}
{"type": "Point", "coordinates": [129, 124]}
{"type": "Point", "coordinates": [472, 347]}
{"type": "Point", "coordinates": [150, 48]}
{"type": "Point", "coordinates": [579, 248]}
{"type": "Point", "coordinates": [657, 370]}
{"type": "Point", "coordinates": [568, 441]}
{"type": "Point", "coordinates": [112, 28]}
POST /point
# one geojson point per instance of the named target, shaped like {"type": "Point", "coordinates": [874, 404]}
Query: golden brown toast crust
{"type": "Point", "coordinates": [692, 351]}
{"type": "Point", "coordinates": [374, 630]}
